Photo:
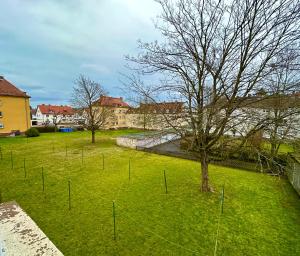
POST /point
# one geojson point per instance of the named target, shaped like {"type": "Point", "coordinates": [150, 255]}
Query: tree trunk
{"type": "Point", "coordinates": [204, 173]}
{"type": "Point", "coordinates": [93, 136]}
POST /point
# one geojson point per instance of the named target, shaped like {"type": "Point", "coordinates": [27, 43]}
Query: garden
{"type": "Point", "coordinates": [101, 199]}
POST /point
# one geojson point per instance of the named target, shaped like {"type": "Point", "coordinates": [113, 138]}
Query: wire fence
{"type": "Point", "coordinates": [232, 163]}
{"type": "Point", "coordinates": [117, 218]}
{"type": "Point", "coordinates": [293, 171]}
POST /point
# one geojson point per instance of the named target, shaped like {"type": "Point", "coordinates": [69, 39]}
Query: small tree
{"type": "Point", "coordinates": [56, 120]}
{"type": "Point", "coordinates": [85, 96]}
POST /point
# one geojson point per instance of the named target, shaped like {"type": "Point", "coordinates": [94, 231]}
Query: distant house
{"type": "Point", "coordinates": [33, 116]}
{"type": "Point", "coordinates": [54, 115]}
{"type": "Point", "coordinates": [14, 109]}
{"type": "Point", "coordinates": [283, 109]}
{"type": "Point", "coordinates": [118, 109]}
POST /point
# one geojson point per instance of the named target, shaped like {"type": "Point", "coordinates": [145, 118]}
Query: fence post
{"type": "Point", "coordinates": [222, 200]}
{"type": "Point", "coordinates": [82, 156]}
{"type": "Point", "coordinates": [114, 218]}
{"type": "Point", "coordinates": [166, 185]}
{"type": "Point", "coordinates": [12, 160]}
{"type": "Point", "coordinates": [129, 169]}
{"type": "Point", "coordinates": [24, 166]}
{"type": "Point", "coordinates": [69, 185]}
{"type": "Point", "coordinates": [102, 161]}
{"type": "Point", "coordinates": [43, 179]}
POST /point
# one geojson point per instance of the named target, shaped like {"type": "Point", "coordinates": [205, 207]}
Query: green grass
{"type": "Point", "coordinates": [261, 213]}
{"type": "Point", "coordinates": [284, 148]}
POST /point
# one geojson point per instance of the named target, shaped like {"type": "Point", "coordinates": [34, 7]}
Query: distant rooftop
{"type": "Point", "coordinates": [173, 107]}
{"type": "Point", "coordinates": [57, 110]}
{"type": "Point", "coordinates": [112, 102]}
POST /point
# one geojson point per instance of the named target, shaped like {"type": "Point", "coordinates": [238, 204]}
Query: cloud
{"type": "Point", "coordinates": [101, 69]}
{"type": "Point", "coordinates": [46, 44]}
{"type": "Point", "coordinates": [80, 27]}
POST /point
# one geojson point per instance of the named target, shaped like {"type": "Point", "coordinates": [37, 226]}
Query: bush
{"type": "Point", "coordinates": [32, 132]}
{"type": "Point", "coordinates": [45, 129]}
{"type": "Point", "coordinates": [79, 128]}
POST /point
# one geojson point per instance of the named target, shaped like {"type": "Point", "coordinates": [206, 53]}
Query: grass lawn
{"type": "Point", "coordinates": [284, 148]}
{"type": "Point", "coordinates": [261, 213]}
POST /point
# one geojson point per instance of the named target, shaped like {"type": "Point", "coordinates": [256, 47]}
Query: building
{"type": "Point", "coordinates": [274, 113]}
{"type": "Point", "coordinates": [117, 109]}
{"type": "Point", "coordinates": [156, 116]}
{"type": "Point", "coordinates": [14, 109]}
{"type": "Point", "coordinates": [33, 116]}
{"type": "Point", "coordinates": [55, 115]}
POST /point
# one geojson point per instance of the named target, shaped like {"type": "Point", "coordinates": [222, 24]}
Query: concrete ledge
{"type": "Point", "coordinates": [20, 235]}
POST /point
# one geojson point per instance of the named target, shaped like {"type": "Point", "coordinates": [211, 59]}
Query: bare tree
{"type": "Point", "coordinates": [56, 120]}
{"type": "Point", "coordinates": [213, 55]}
{"type": "Point", "coordinates": [86, 95]}
{"type": "Point", "coordinates": [283, 100]}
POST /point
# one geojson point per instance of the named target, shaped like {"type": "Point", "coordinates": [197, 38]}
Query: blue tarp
{"type": "Point", "coordinates": [66, 130]}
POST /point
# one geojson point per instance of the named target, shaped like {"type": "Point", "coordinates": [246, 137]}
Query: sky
{"type": "Point", "coordinates": [45, 45]}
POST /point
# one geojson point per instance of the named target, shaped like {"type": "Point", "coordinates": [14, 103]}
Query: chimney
{"type": "Point", "coordinates": [121, 98]}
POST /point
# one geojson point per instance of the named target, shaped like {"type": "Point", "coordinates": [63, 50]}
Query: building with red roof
{"type": "Point", "coordinates": [107, 101]}
{"type": "Point", "coordinates": [54, 114]}
{"type": "Point", "coordinates": [118, 109]}
{"type": "Point", "coordinates": [14, 109]}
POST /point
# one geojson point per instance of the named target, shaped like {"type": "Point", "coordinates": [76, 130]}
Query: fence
{"type": "Point", "coordinates": [293, 171]}
{"type": "Point", "coordinates": [106, 221]}
{"type": "Point", "coordinates": [233, 163]}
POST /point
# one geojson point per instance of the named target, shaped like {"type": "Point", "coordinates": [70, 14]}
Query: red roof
{"type": "Point", "coordinates": [57, 110]}
{"type": "Point", "coordinates": [8, 89]}
{"type": "Point", "coordinates": [159, 108]}
{"type": "Point", "coordinates": [112, 102]}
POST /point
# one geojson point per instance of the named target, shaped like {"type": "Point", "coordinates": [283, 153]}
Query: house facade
{"type": "Point", "coordinates": [275, 113]}
{"type": "Point", "coordinates": [156, 116]}
{"type": "Point", "coordinates": [14, 109]}
{"type": "Point", "coordinates": [117, 110]}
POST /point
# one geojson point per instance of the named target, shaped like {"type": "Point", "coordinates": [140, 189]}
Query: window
{"type": "Point", "coordinates": [1, 126]}
{"type": "Point", "coordinates": [0, 113]}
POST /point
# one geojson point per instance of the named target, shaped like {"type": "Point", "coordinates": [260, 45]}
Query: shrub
{"type": "Point", "coordinates": [79, 128]}
{"type": "Point", "coordinates": [32, 132]}
{"type": "Point", "coordinates": [45, 129]}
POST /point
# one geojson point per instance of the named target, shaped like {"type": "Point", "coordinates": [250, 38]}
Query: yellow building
{"type": "Point", "coordinates": [14, 109]}
{"type": "Point", "coordinates": [116, 111]}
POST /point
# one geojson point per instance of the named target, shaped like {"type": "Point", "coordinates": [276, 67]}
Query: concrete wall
{"type": "Point", "coordinates": [20, 235]}
{"type": "Point", "coordinates": [147, 142]}
{"type": "Point", "coordinates": [293, 172]}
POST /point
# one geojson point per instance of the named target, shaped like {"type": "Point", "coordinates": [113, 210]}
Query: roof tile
{"type": "Point", "coordinates": [8, 89]}
{"type": "Point", "coordinates": [57, 110]}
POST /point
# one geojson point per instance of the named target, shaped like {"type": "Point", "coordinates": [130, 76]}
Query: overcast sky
{"type": "Point", "coordinates": [45, 45]}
